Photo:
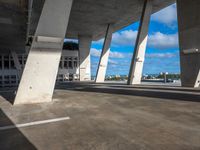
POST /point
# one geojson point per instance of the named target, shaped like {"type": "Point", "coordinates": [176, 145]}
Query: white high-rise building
{"type": "Point", "coordinates": [68, 67]}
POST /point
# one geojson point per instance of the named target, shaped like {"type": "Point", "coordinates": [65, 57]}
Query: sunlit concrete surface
{"type": "Point", "coordinates": [106, 116]}
{"type": "Point", "coordinates": [40, 27]}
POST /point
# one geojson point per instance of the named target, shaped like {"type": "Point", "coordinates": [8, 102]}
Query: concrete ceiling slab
{"type": "Point", "coordinates": [88, 17]}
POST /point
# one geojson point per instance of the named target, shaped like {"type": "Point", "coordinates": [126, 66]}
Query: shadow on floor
{"type": "Point", "coordinates": [169, 94]}
{"type": "Point", "coordinates": [8, 96]}
{"type": "Point", "coordinates": [158, 87]}
{"type": "Point", "coordinates": [157, 91]}
{"type": "Point", "coordinates": [12, 139]}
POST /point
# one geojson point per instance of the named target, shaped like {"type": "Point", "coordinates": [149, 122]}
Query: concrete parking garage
{"type": "Point", "coordinates": [85, 115]}
{"type": "Point", "coordinates": [105, 116]}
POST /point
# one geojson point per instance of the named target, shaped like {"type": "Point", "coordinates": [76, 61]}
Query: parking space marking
{"type": "Point", "coordinates": [33, 123]}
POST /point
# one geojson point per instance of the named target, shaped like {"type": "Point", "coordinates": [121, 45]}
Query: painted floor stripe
{"type": "Point", "coordinates": [33, 123]}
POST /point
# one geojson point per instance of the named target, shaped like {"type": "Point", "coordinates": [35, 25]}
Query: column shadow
{"type": "Point", "coordinates": [158, 87]}
{"type": "Point", "coordinates": [12, 139]}
{"type": "Point", "coordinates": [8, 96]}
{"type": "Point", "coordinates": [164, 94]}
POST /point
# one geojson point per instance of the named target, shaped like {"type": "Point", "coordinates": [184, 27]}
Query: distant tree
{"type": "Point", "coordinates": [70, 46]}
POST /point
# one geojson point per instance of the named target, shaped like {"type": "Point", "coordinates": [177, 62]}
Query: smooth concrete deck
{"type": "Point", "coordinates": [106, 117]}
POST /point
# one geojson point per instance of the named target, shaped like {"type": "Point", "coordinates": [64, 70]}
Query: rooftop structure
{"type": "Point", "coordinates": [39, 28]}
{"type": "Point", "coordinates": [92, 114]}
{"type": "Point", "coordinates": [19, 18]}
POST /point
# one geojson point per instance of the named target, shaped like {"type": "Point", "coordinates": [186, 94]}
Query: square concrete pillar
{"type": "Point", "coordinates": [84, 56]}
{"type": "Point", "coordinates": [137, 62]}
{"type": "Point", "coordinates": [39, 75]}
{"type": "Point", "coordinates": [189, 41]}
{"type": "Point", "coordinates": [102, 67]}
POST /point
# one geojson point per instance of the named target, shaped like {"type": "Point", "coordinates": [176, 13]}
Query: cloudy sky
{"type": "Point", "coordinates": [162, 53]}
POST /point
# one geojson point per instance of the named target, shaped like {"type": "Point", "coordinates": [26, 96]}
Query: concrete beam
{"type": "Point", "coordinates": [101, 72]}
{"type": "Point", "coordinates": [39, 76]}
{"type": "Point", "coordinates": [137, 62]}
{"type": "Point", "coordinates": [84, 56]}
{"type": "Point", "coordinates": [189, 41]}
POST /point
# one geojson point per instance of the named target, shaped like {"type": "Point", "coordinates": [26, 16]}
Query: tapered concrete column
{"type": "Point", "coordinates": [84, 55]}
{"type": "Point", "coordinates": [189, 41]}
{"type": "Point", "coordinates": [39, 75]}
{"type": "Point", "coordinates": [101, 72]}
{"type": "Point", "coordinates": [136, 68]}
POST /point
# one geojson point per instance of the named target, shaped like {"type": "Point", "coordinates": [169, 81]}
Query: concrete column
{"type": "Point", "coordinates": [136, 68]}
{"type": "Point", "coordinates": [189, 41]}
{"type": "Point", "coordinates": [39, 75]}
{"type": "Point", "coordinates": [101, 72]}
{"type": "Point", "coordinates": [84, 56]}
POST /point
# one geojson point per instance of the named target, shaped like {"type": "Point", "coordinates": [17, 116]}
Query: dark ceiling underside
{"type": "Point", "coordinates": [88, 17]}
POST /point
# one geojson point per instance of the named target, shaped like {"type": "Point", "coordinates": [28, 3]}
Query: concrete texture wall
{"type": "Point", "coordinates": [189, 38]}
{"type": "Point", "coordinates": [39, 75]}
{"type": "Point", "coordinates": [88, 17]}
{"type": "Point", "coordinates": [84, 56]}
{"type": "Point", "coordinates": [137, 62]}
{"type": "Point", "coordinates": [103, 62]}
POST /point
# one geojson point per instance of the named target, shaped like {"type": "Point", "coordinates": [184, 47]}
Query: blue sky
{"type": "Point", "coordinates": [162, 54]}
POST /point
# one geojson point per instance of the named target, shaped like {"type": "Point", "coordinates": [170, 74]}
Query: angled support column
{"type": "Point", "coordinates": [84, 55]}
{"type": "Point", "coordinates": [189, 41]}
{"type": "Point", "coordinates": [39, 75]}
{"type": "Point", "coordinates": [136, 68]}
{"type": "Point", "coordinates": [101, 72]}
{"type": "Point", "coordinates": [18, 66]}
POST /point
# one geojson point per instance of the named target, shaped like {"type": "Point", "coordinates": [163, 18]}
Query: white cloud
{"type": "Point", "coordinates": [113, 54]}
{"type": "Point", "coordinates": [99, 42]}
{"type": "Point", "coordinates": [156, 40]}
{"type": "Point", "coordinates": [112, 62]}
{"type": "Point", "coordinates": [116, 54]}
{"type": "Point", "coordinates": [163, 41]}
{"type": "Point", "coordinates": [95, 52]}
{"type": "Point", "coordinates": [161, 55]}
{"type": "Point", "coordinates": [71, 40]}
{"type": "Point", "coordinates": [167, 15]}
{"type": "Point", "coordinates": [123, 38]}
{"type": "Point", "coordinates": [126, 37]}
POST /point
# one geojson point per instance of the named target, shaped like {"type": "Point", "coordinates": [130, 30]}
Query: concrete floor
{"type": "Point", "coordinates": [106, 117]}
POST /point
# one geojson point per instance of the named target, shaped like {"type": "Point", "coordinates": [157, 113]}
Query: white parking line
{"type": "Point", "coordinates": [33, 123]}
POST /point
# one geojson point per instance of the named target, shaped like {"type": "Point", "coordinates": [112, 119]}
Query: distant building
{"type": "Point", "coordinates": [68, 67]}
